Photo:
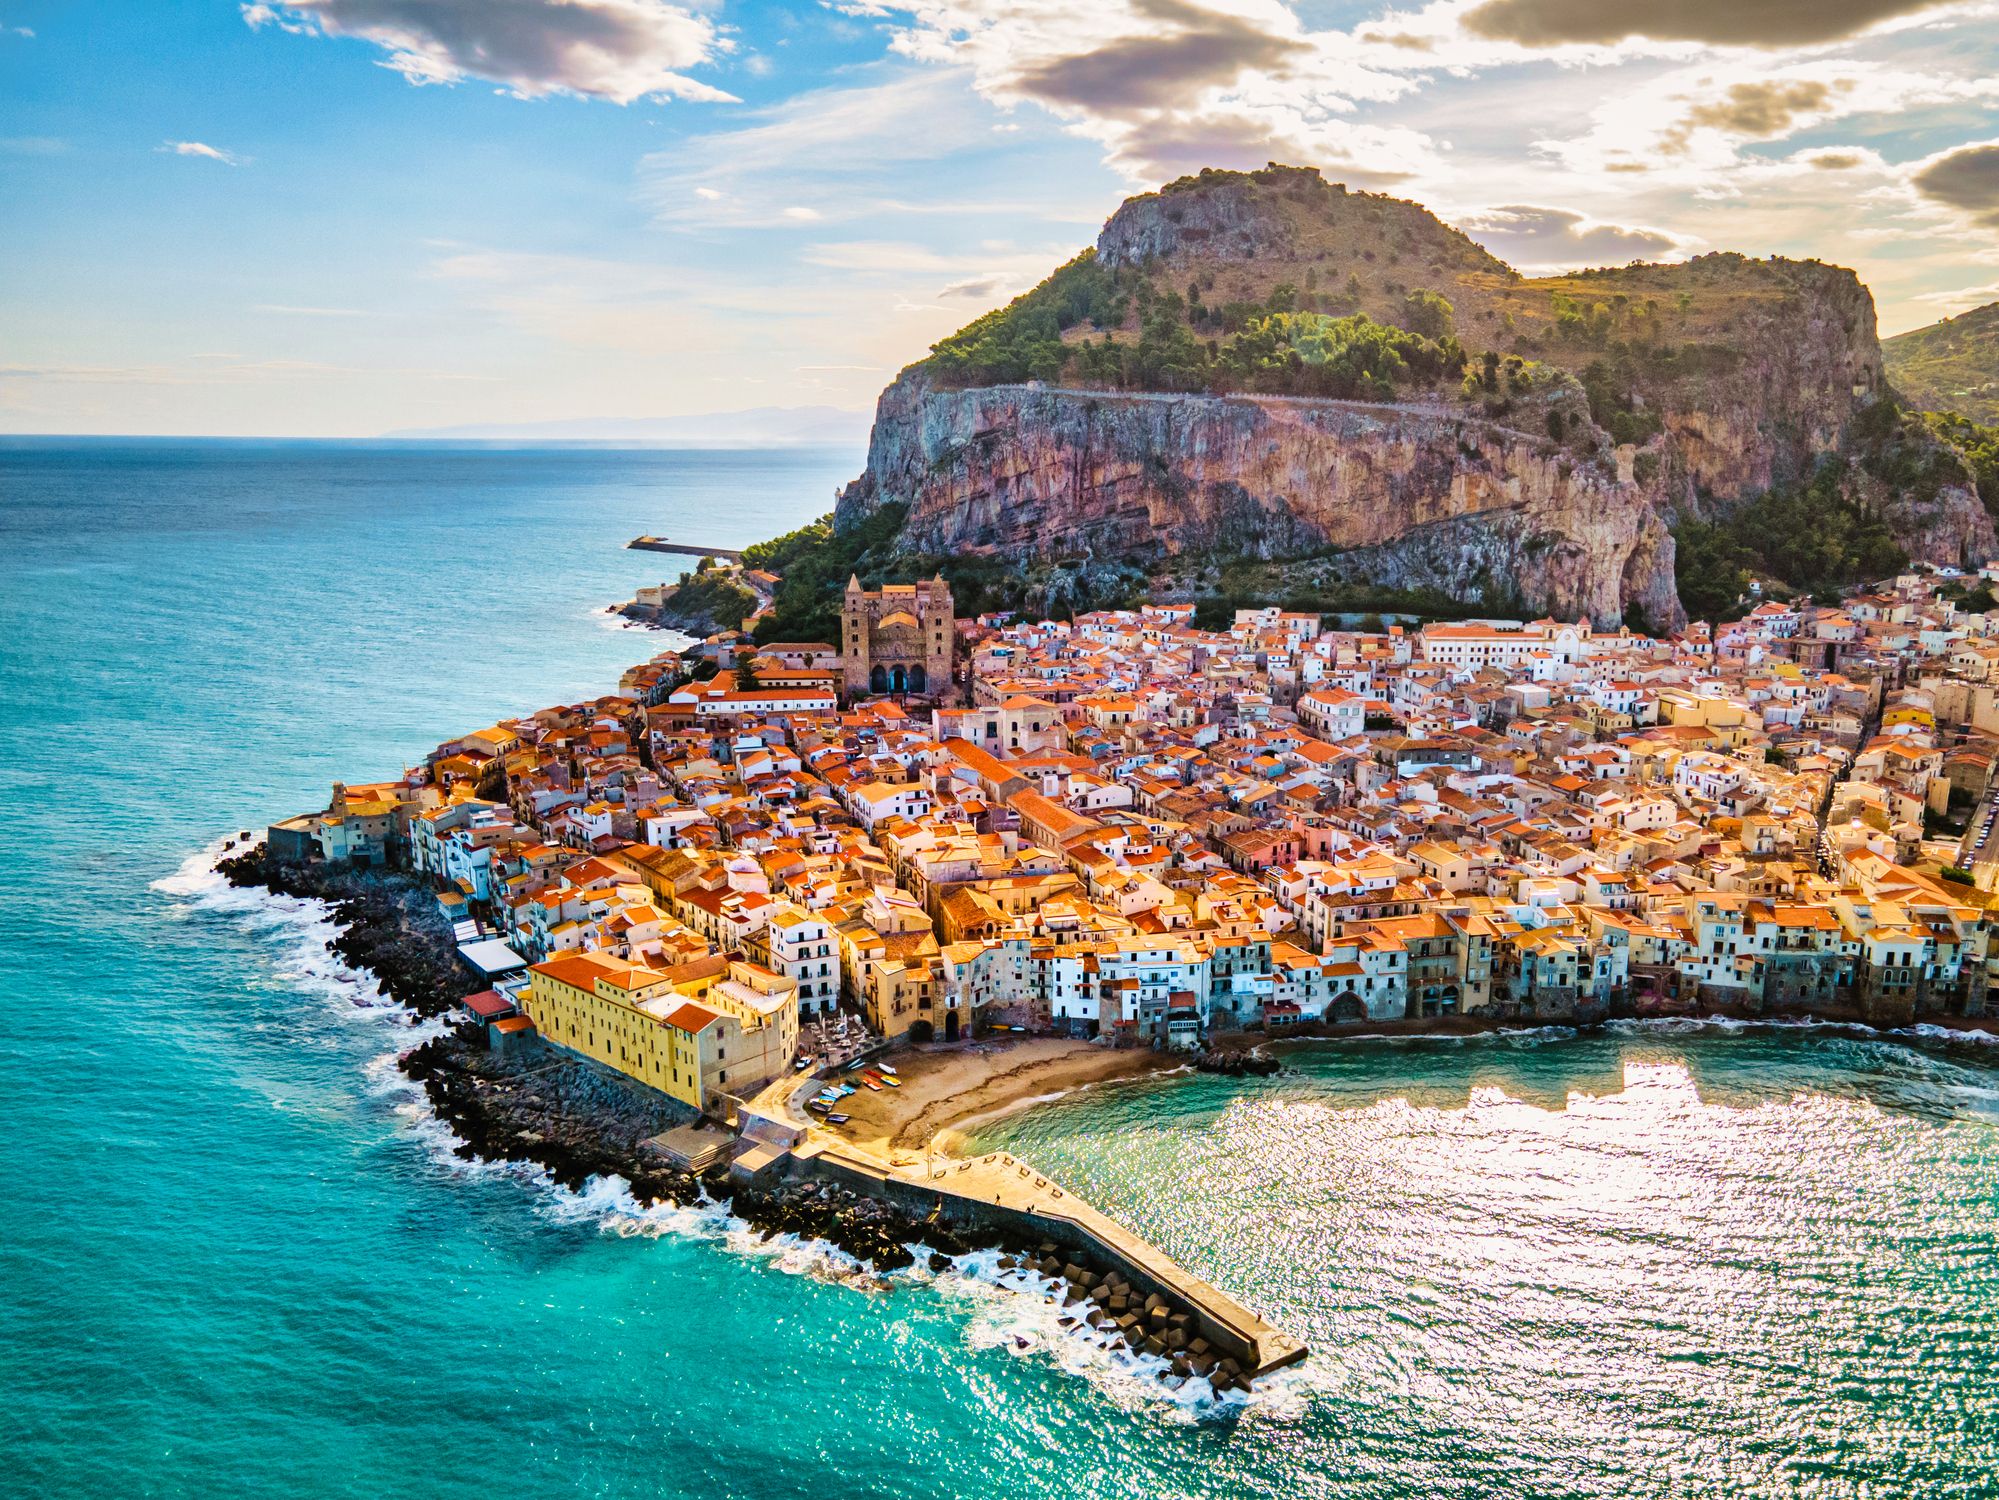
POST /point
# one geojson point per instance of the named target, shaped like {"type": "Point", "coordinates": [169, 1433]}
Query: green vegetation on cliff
{"type": "Point", "coordinates": [1974, 442]}
{"type": "Point", "coordinates": [709, 599]}
{"type": "Point", "coordinates": [1950, 366]}
{"type": "Point", "coordinates": [814, 563]}
{"type": "Point", "coordinates": [1273, 346]}
{"type": "Point", "coordinates": [1023, 340]}
{"type": "Point", "coordinates": [1813, 538]}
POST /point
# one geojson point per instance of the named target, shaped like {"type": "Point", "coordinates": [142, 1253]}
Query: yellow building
{"type": "Point", "coordinates": [715, 1027]}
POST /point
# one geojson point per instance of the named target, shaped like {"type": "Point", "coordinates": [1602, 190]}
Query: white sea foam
{"type": "Point", "coordinates": [300, 929]}
{"type": "Point", "coordinates": [1930, 1033]}
{"type": "Point", "coordinates": [1022, 1313]}
{"type": "Point", "coordinates": [610, 619]}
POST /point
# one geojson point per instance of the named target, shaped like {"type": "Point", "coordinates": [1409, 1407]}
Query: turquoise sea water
{"type": "Point", "coordinates": [234, 1260]}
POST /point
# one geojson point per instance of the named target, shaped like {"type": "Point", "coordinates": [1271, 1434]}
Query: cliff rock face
{"type": "Point", "coordinates": [1743, 374]}
{"type": "Point", "coordinates": [1800, 363]}
{"type": "Point", "coordinates": [1420, 497]}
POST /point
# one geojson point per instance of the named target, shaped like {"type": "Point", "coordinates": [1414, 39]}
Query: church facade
{"type": "Point", "coordinates": [897, 639]}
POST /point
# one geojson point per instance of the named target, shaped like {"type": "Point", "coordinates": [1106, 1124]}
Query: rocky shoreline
{"type": "Point", "coordinates": [559, 1113]}
{"type": "Point", "coordinates": [390, 925]}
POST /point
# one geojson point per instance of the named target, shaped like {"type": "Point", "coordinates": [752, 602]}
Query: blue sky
{"type": "Point", "coordinates": [340, 217]}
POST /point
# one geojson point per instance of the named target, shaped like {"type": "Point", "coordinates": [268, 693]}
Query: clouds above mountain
{"type": "Point", "coordinates": [1698, 120]}
{"type": "Point", "coordinates": [621, 50]}
{"type": "Point", "coordinates": [1167, 86]}
{"type": "Point", "coordinates": [1192, 47]}
{"type": "Point", "coordinates": [1966, 179]}
{"type": "Point", "coordinates": [1546, 239]}
{"type": "Point", "coordinates": [1722, 23]}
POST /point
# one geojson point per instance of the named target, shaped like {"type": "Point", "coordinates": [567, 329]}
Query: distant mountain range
{"type": "Point", "coordinates": [754, 427]}
{"type": "Point", "coordinates": [1950, 366]}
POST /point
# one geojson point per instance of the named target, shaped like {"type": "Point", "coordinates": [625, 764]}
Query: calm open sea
{"type": "Point", "coordinates": [235, 1261]}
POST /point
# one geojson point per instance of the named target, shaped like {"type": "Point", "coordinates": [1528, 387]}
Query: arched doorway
{"type": "Point", "coordinates": [897, 683]}
{"type": "Point", "coordinates": [1348, 1007]}
{"type": "Point", "coordinates": [917, 679]}
{"type": "Point", "coordinates": [878, 680]}
{"type": "Point", "coordinates": [950, 1026]}
{"type": "Point", "coordinates": [921, 1031]}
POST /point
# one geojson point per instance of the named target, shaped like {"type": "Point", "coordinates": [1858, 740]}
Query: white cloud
{"type": "Point", "coordinates": [1719, 23]}
{"type": "Point", "coordinates": [1168, 86]}
{"type": "Point", "coordinates": [1949, 304]}
{"type": "Point", "coordinates": [622, 50]}
{"type": "Point", "coordinates": [1539, 239]}
{"type": "Point", "coordinates": [1693, 122]}
{"type": "Point", "coordinates": [203, 150]}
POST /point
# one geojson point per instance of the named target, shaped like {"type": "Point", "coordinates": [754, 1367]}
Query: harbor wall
{"type": "Point", "coordinates": [1101, 1243]}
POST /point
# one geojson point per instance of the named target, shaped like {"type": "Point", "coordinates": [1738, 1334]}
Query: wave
{"type": "Point", "coordinates": [1922, 1031]}
{"type": "Point", "coordinates": [1933, 1033]}
{"type": "Point", "coordinates": [1016, 1310]}
{"type": "Point", "coordinates": [300, 929]}
{"type": "Point", "coordinates": [609, 619]}
{"type": "Point", "coordinates": [1023, 1313]}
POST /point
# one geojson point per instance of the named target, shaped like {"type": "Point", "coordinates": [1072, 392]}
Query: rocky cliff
{"type": "Point", "coordinates": [1414, 497]}
{"type": "Point", "coordinates": [1642, 393]}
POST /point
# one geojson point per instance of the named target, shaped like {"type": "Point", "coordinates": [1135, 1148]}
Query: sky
{"type": "Point", "coordinates": [346, 217]}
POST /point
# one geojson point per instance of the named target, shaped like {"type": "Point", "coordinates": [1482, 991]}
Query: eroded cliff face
{"type": "Point", "coordinates": [1802, 361]}
{"type": "Point", "coordinates": [1757, 371]}
{"type": "Point", "coordinates": [1412, 497]}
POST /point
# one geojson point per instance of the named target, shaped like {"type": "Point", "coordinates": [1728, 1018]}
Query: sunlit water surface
{"type": "Point", "coordinates": [1652, 1262]}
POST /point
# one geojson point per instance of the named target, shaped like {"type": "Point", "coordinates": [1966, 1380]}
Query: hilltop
{"type": "Point", "coordinates": [1950, 366]}
{"type": "Point", "coordinates": [1264, 384]}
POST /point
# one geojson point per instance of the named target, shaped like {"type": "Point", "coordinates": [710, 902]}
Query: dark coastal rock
{"type": "Point", "coordinates": [390, 925]}
{"type": "Point", "coordinates": [1254, 1063]}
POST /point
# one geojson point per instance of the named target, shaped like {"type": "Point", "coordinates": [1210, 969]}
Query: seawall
{"type": "Point", "coordinates": [1000, 1197]}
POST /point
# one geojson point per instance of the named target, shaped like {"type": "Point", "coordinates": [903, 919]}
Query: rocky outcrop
{"type": "Point", "coordinates": [702, 603]}
{"type": "Point", "coordinates": [1740, 375]}
{"type": "Point", "coordinates": [1418, 496]}
{"type": "Point", "coordinates": [1800, 363]}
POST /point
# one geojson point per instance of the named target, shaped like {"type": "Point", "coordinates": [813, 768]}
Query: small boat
{"type": "Point", "coordinates": [891, 1080]}
{"type": "Point", "coordinates": [873, 1083]}
{"type": "Point", "coordinates": [887, 1070]}
{"type": "Point", "coordinates": [837, 1119]}
{"type": "Point", "coordinates": [823, 1106]}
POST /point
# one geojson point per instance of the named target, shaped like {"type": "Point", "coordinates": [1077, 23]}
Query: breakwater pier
{"type": "Point", "coordinates": [1115, 1281]}
{"type": "Point", "coordinates": [682, 549]}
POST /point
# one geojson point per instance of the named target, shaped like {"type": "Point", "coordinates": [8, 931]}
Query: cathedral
{"type": "Point", "coordinates": [899, 639]}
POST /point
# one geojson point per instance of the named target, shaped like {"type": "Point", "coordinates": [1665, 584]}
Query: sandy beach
{"type": "Point", "coordinates": [944, 1088]}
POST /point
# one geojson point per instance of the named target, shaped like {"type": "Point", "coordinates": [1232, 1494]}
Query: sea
{"type": "Point", "coordinates": [238, 1259]}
